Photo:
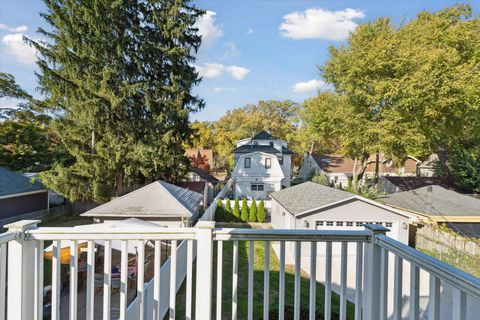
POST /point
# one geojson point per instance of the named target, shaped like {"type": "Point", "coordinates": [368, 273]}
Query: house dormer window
{"type": "Point", "coordinates": [271, 143]}
{"type": "Point", "coordinates": [247, 162]}
{"type": "Point", "coordinates": [268, 163]}
{"type": "Point", "coordinates": [280, 160]}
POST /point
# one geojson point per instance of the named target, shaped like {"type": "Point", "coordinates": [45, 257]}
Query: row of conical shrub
{"type": "Point", "coordinates": [253, 213]}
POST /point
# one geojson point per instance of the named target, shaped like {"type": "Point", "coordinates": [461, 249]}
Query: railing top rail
{"type": "Point", "coordinates": [7, 236]}
{"type": "Point", "coordinates": [292, 235]}
{"type": "Point", "coordinates": [455, 277]}
{"type": "Point", "coordinates": [106, 233]}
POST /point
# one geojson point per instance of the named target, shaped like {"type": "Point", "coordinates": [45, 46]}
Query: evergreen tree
{"type": "Point", "coordinates": [261, 211]}
{"type": "Point", "coordinates": [253, 212]}
{"type": "Point", "coordinates": [244, 216]}
{"type": "Point", "coordinates": [236, 210]}
{"type": "Point", "coordinates": [228, 211]}
{"type": "Point", "coordinates": [219, 212]}
{"type": "Point", "coordinates": [119, 77]}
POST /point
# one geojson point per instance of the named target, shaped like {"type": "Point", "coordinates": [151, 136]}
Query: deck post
{"type": "Point", "coordinates": [203, 305]}
{"type": "Point", "coordinates": [21, 272]}
{"type": "Point", "coordinates": [373, 252]}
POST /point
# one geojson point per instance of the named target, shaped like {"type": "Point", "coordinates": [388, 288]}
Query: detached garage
{"type": "Point", "coordinates": [19, 196]}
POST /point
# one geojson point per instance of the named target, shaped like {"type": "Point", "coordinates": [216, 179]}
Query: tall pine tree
{"type": "Point", "coordinates": [119, 76]}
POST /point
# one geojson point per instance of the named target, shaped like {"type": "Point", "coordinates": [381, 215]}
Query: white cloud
{"type": "Point", "coordinates": [250, 31]}
{"type": "Point", "coordinates": [317, 23]}
{"type": "Point", "coordinates": [222, 89]}
{"type": "Point", "coordinates": [214, 70]}
{"type": "Point", "coordinates": [20, 29]}
{"type": "Point", "coordinates": [208, 29]}
{"type": "Point", "coordinates": [232, 50]}
{"type": "Point", "coordinates": [308, 86]}
{"type": "Point", "coordinates": [16, 47]}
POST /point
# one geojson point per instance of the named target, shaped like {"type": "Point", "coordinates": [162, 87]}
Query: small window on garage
{"type": "Point", "coordinates": [388, 224]}
{"type": "Point", "coordinates": [349, 224]}
{"type": "Point", "coordinates": [339, 223]}
{"type": "Point", "coordinates": [329, 223]}
{"type": "Point", "coordinates": [247, 162]}
{"type": "Point", "coordinates": [268, 163]}
{"type": "Point", "coordinates": [359, 224]}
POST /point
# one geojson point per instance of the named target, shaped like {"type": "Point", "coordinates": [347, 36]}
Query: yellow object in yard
{"type": "Point", "coordinates": [65, 253]}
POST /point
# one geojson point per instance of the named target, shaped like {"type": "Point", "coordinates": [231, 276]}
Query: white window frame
{"type": "Point", "coordinates": [268, 163]}
{"type": "Point", "coordinates": [249, 162]}
{"type": "Point", "coordinates": [257, 187]}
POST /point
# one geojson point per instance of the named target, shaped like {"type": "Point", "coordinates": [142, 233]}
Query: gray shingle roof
{"type": "Point", "coordinates": [438, 202]}
{"type": "Point", "coordinates": [308, 196]}
{"type": "Point", "coordinates": [158, 199]}
{"type": "Point", "coordinates": [13, 182]}
{"type": "Point", "coordinates": [263, 135]}
{"type": "Point", "coordinates": [248, 148]}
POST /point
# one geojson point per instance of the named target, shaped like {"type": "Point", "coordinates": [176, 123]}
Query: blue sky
{"type": "Point", "coordinates": [252, 50]}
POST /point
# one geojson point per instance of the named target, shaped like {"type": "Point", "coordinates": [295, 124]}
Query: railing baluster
{"type": "Point", "coordinates": [266, 280]}
{"type": "Point", "coordinates": [90, 280]}
{"type": "Point", "coordinates": [156, 279]}
{"type": "Point", "coordinates": [313, 279]}
{"type": "Point", "coordinates": [107, 279]}
{"type": "Point", "coordinates": [38, 313]}
{"type": "Point", "coordinates": [235, 280]}
{"type": "Point", "coordinates": [73, 279]}
{"type": "Point", "coordinates": [298, 261]}
{"type": "Point", "coordinates": [173, 279]}
{"type": "Point", "coordinates": [3, 279]}
{"type": "Point", "coordinates": [328, 280]}
{"type": "Point", "coordinates": [281, 283]}
{"type": "Point", "coordinates": [56, 282]}
{"type": "Point", "coordinates": [251, 249]}
{"type": "Point", "coordinates": [398, 290]}
{"type": "Point", "coordinates": [188, 304]}
{"type": "Point", "coordinates": [434, 298]}
{"type": "Point", "coordinates": [343, 281]}
{"type": "Point", "coordinates": [459, 306]}
{"type": "Point", "coordinates": [219, 279]}
{"type": "Point", "coordinates": [358, 281]}
{"type": "Point", "coordinates": [414, 292]}
{"type": "Point", "coordinates": [140, 279]}
{"type": "Point", "coordinates": [383, 284]}
{"type": "Point", "coordinates": [124, 280]}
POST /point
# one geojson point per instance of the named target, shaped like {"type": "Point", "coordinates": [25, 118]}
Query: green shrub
{"type": "Point", "coordinates": [236, 210]}
{"type": "Point", "coordinates": [244, 216]}
{"type": "Point", "coordinates": [261, 211]}
{"type": "Point", "coordinates": [228, 211]}
{"type": "Point", "coordinates": [219, 211]}
{"type": "Point", "coordinates": [253, 212]}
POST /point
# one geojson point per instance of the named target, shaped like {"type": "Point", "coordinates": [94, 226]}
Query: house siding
{"type": "Point", "coordinates": [14, 206]}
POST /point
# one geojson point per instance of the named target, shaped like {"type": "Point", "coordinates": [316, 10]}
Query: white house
{"type": "Point", "coordinates": [256, 175]}
{"type": "Point", "coordinates": [262, 165]}
{"type": "Point", "coordinates": [159, 202]}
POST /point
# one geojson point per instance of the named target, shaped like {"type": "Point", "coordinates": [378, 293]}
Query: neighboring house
{"type": "Point", "coordinates": [391, 184]}
{"type": "Point", "coordinates": [201, 181]}
{"type": "Point", "coordinates": [278, 153]}
{"type": "Point", "coordinates": [313, 206]}
{"type": "Point", "coordinates": [256, 175]}
{"type": "Point", "coordinates": [339, 169]}
{"type": "Point", "coordinates": [19, 196]}
{"type": "Point", "coordinates": [437, 204]}
{"type": "Point", "coordinates": [201, 157]}
{"type": "Point", "coordinates": [427, 167]}
{"type": "Point", "coordinates": [159, 202]}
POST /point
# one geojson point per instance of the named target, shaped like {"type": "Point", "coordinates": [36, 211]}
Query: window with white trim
{"type": "Point", "coordinates": [349, 224]}
{"type": "Point", "coordinates": [280, 160]}
{"type": "Point", "coordinates": [359, 224]}
{"type": "Point", "coordinates": [329, 223]}
{"type": "Point", "coordinates": [256, 187]}
{"type": "Point", "coordinates": [268, 163]}
{"type": "Point", "coordinates": [247, 162]}
{"type": "Point", "coordinates": [339, 223]}
{"type": "Point", "coordinates": [388, 224]}
{"type": "Point", "coordinates": [319, 223]}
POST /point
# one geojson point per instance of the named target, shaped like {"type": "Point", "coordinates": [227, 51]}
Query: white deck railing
{"type": "Point", "coordinates": [24, 285]}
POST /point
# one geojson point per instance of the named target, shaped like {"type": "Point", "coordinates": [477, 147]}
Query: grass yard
{"type": "Point", "coordinates": [258, 287]}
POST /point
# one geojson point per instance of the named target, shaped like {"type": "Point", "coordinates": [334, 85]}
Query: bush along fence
{"type": "Point", "coordinates": [240, 212]}
{"type": "Point", "coordinates": [444, 244]}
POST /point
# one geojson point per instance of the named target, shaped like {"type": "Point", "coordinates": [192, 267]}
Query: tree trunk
{"type": "Point", "coordinates": [119, 185]}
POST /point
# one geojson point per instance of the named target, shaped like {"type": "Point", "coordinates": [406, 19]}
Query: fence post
{"type": "Point", "coordinates": [203, 301]}
{"type": "Point", "coordinates": [21, 272]}
{"type": "Point", "coordinates": [371, 306]}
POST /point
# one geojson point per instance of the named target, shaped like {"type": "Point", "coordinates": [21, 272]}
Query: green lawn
{"type": "Point", "coordinates": [258, 287]}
